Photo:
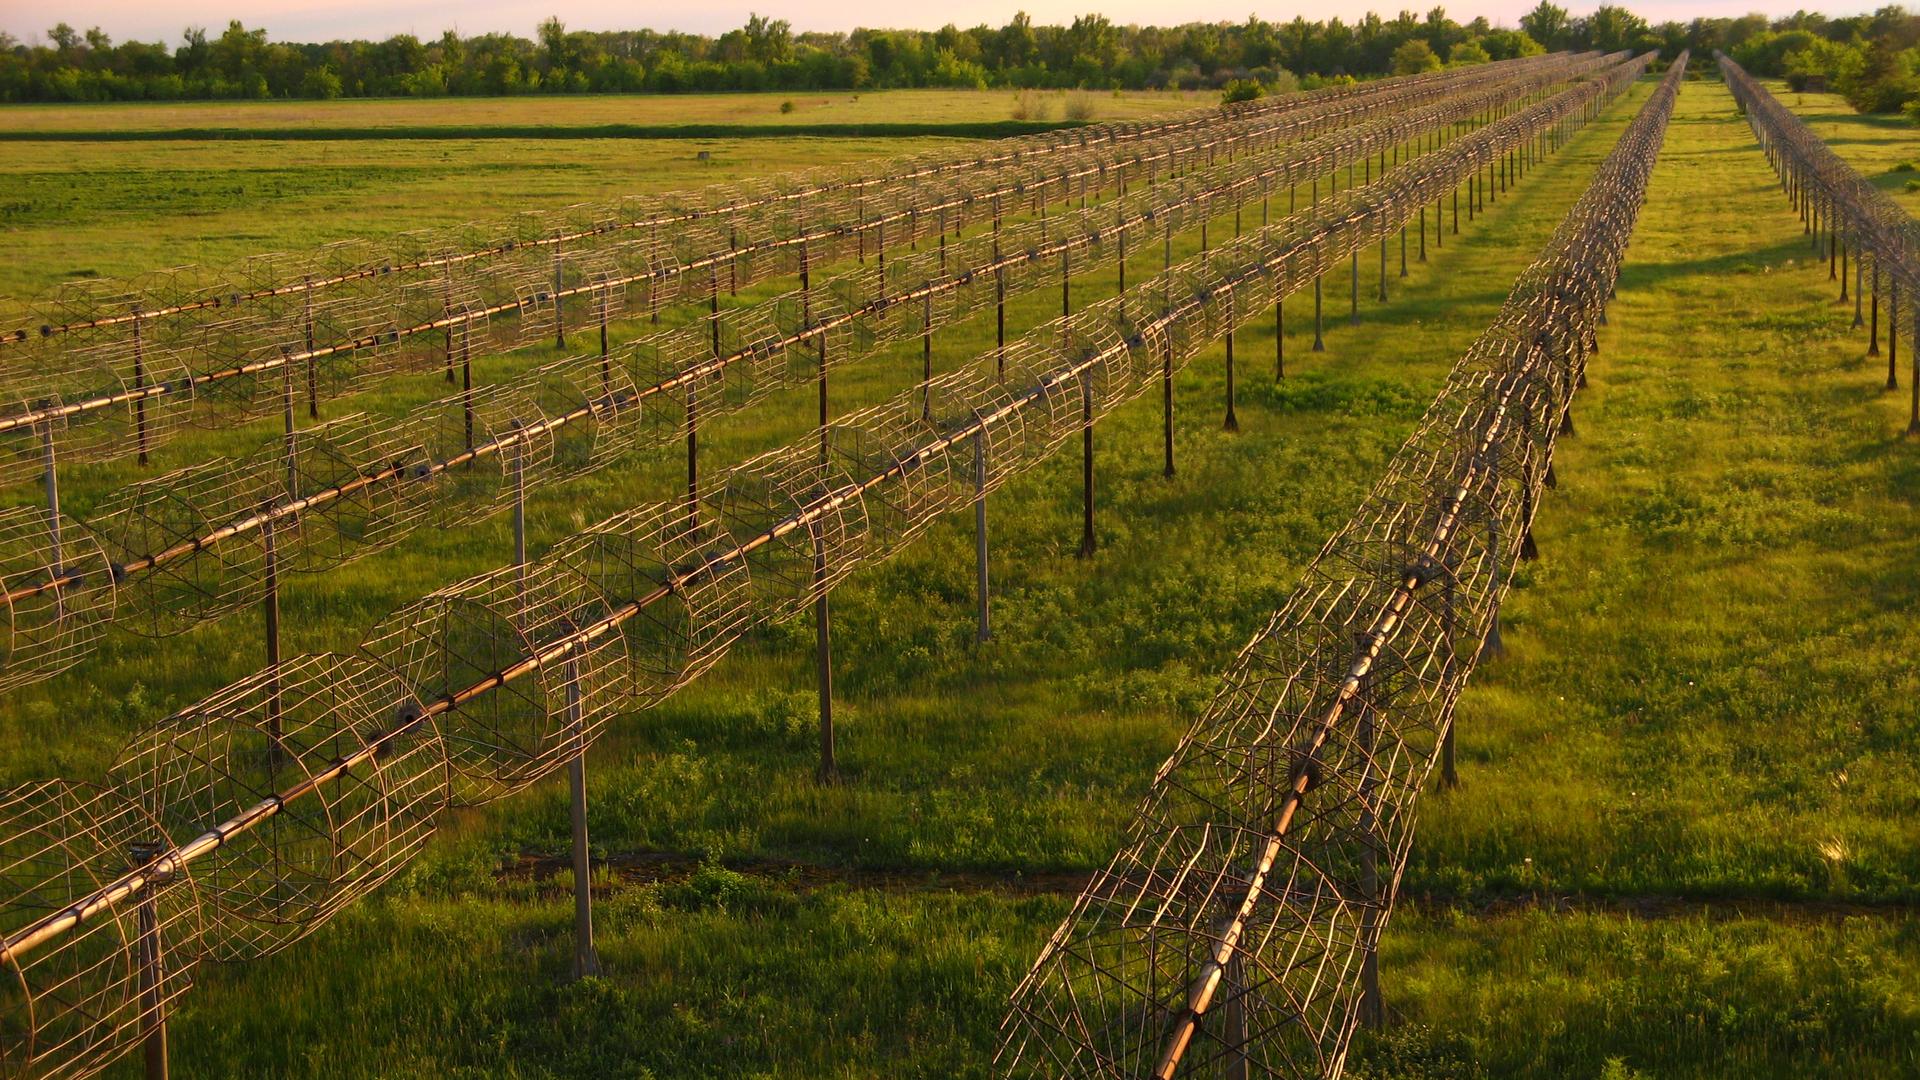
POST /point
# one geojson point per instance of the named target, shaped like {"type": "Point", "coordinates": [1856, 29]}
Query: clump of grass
{"type": "Point", "coordinates": [786, 107]}
{"type": "Point", "coordinates": [1080, 106]}
{"type": "Point", "coordinates": [1913, 185]}
{"type": "Point", "coordinates": [1031, 105]}
{"type": "Point", "coordinates": [1905, 166]}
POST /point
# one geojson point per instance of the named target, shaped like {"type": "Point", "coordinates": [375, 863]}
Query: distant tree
{"type": "Point", "coordinates": [1510, 44]}
{"type": "Point", "coordinates": [1415, 56]}
{"type": "Point", "coordinates": [1466, 54]}
{"type": "Point", "coordinates": [1242, 90]}
{"type": "Point", "coordinates": [1547, 24]}
{"type": "Point", "coordinates": [322, 83]}
{"type": "Point", "coordinates": [1611, 28]}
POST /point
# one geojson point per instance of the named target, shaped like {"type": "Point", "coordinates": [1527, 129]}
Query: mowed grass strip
{"type": "Point", "coordinates": [1710, 687]}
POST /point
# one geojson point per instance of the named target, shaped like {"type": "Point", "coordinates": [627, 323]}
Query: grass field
{"type": "Point", "coordinates": [1683, 846]}
{"type": "Point", "coordinates": [92, 208]}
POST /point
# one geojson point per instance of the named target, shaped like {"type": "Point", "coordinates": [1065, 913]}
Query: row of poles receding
{"type": "Point", "coordinates": [1842, 214]}
{"type": "Point", "coordinates": [1237, 931]}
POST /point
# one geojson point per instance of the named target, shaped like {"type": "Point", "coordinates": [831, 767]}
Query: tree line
{"type": "Point", "coordinates": [766, 54]}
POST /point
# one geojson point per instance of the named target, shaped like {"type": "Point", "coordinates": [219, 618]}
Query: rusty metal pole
{"type": "Point", "coordinates": [1859, 286]}
{"type": "Point", "coordinates": [559, 299]}
{"type": "Point", "coordinates": [312, 362]}
{"type": "Point", "coordinates": [466, 378]}
{"type": "Point", "coordinates": [50, 485]}
{"type": "Point", "coordinates": [822, 612]}
{"type": "Point", "coordinates": [999, 297]}
{"type": "Point", "coordinates": [139, 383]}
{"type": "Point", "coordinates": [1087, 543]}
{"type": "Point", "coordinates": [1319, 340]}
{"type": "Point", "coordinates": [1279, 338]}
{"type": "Point", "coordinates": [1234, 1017]}
{"type": "Point", "coordinates": [153, 1009]}
{"type": "Point", "coordinates": [983, 630]}
{"type": "Point", "coordinates": [1893, 332]}
{"type": "Point", "coordinates": [1913, 421]}
{"type": "Point", "coordinates": [1166, 361]}
{"type": "Point", "coordinates": [1372, 1010]}
{"type": "Point", "coordinates": [586, 959]}
{"type": "Point", "coordinates": [1873, 333]}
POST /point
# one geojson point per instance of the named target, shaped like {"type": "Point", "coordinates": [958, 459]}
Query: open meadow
{"type": "Point", "coordinates": [1684, 844]}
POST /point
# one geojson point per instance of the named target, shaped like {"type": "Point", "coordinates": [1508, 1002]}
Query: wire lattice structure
{"type": "Point", "coordinates": [140, 353]}
{"type": "Point", "coordinates": [1228, 937]}
{"type": "Point", "coordinates": [189, 546]}
{"type": "Point", "coordinates": [1841, 211]}
{"type": "Point", "coordinates": [365, 749]}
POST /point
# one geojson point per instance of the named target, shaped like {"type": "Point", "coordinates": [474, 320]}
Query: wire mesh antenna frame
{"type": "Point", "coordinates": [71, 594]}
{"type": "Point", "coordinates": [70, 1010]}
{"type": "Point", "coordinates": [709, 605]}
{"type": "Point", "coordinates": [285, 725]}
{"type": "Point", "coordinates": [504, 740]}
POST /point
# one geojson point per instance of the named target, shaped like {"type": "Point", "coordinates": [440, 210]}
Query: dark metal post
{"type": "Point", "coordinates": [139, 383]}
{"type": "Point", "coordinates": [984, 629]}
{"type": "Point", "coordinates": [1319, 340]}
{"type": "Point", "coordinates": [1279, 338]}
{"type": "Point", "coordinates": [1086, 436]}
{"type": "Point", "coordinates": [559, 300]}
{"type": "Point", "coordinates": [1873, 335]}
{"type": "Point", "coordinates": [153, 1014]}
{"type": "Point", "coordinates": [1893, 331]}
{"type": "Point", "coordinates": [586, 959]}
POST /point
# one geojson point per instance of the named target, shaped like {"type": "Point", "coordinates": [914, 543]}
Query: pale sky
{"type": "Point", "coordinates": [322, 20]}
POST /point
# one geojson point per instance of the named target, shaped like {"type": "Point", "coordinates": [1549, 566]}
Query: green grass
{"type": "Point", "coordinates": [1707, 693]}
{"type": "Point", "coordinates": [146, 189]}
{"type": "Point", "coordinates": [564, 111]}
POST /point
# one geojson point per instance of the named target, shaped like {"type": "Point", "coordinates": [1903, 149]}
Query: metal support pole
{"type": "Point", "coordinates": [1372, 1011]}
{"type": "Point", "coordinates": [693, 456]}
{"type": "Point", "coordinates": [1859, 288]}
{"type": "Point", "coordinates": [153, 1014]}
{"type": "Point", "coordinates": [139, 383]}
{"type": "Point", "coordinates": [999, 297]}
{"type": "Point", "coordinates": [1873, 335]}
{"type": "Point", "coordinates": [466, 377]}
{"type": "Point", "coordinates": [559, 301]}
{"type": "Point", "coordinates": [1234, 1017]}
{"type": "Point", "coordinates": [984, 629]}
{"type": "Point", "coordinates": [50, 484]}
{"type": "Point", "coordinates": [823, 660]}
{"type": "Point", "coordinates": [1166, 396]}
{"type": "Point", "coordinates": [1893, 332]}
{"type": "Point", "coordinates": [1232, 422]}
{"type": "Point", "coordinates": [1913, 420]}
{"type": "Point", "coordinates": [1087, 543]}
{"type": "Point", "coordinates": [1353, 312]}
{"type": "Point", "coordinates": [1279, 338]}
{"type": "Point", "coordinates": [1319, 339]}
{"type": "Point", "coordinates": [586, 959]}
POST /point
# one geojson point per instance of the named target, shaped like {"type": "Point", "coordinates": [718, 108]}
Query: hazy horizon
{"type": "Point", "coordinates": [311, 20]}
